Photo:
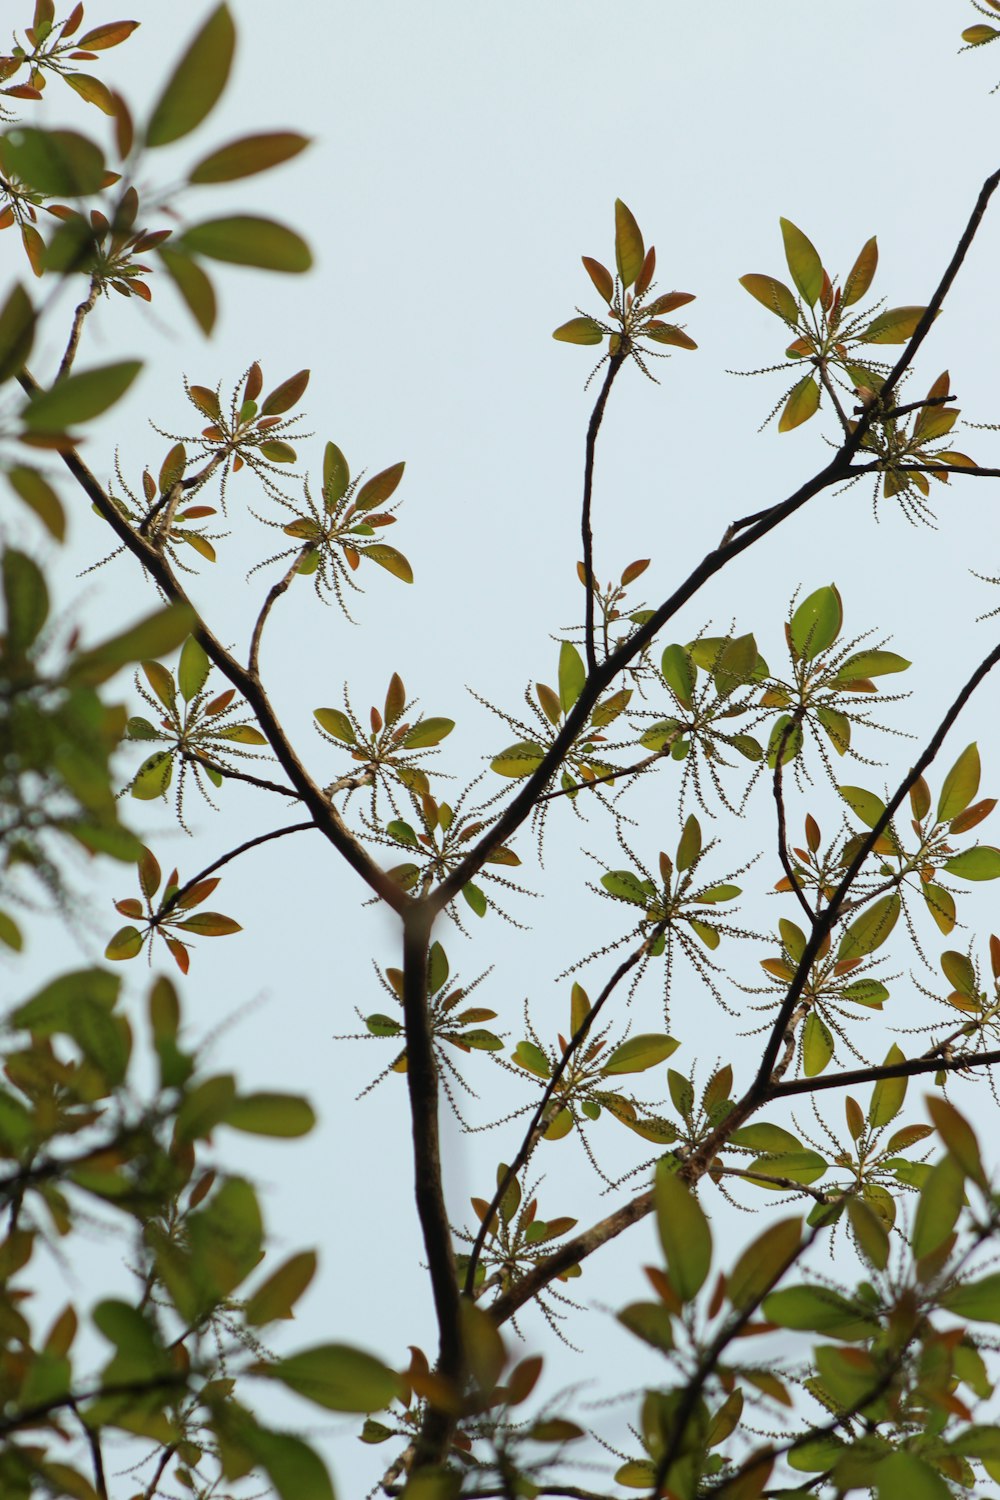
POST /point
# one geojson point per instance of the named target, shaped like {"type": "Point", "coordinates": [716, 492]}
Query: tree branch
{"type": "Point", "coordinates": [232, 774]}
{"type": "Point", "coordinates": [274, 593]}
{"type": "Point", "coordinates": [908, 1068]}
{"type": "Point", "coordinates": [76, 329]}
{"type": "Point", "coordinates": [422, 1084]}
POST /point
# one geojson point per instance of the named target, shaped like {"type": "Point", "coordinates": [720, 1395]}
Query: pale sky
{"type": "Point", "coordinates": [465, 156]}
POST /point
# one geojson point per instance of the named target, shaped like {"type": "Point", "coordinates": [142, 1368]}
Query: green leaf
{"type": "Point", "coordinates": [762, 1262]}
{"type": "Point", "coordinates": [246, 240]}
{"type": "Point", "coordinates": [427, 732]}
{"type": "Point", "coordinates": [532, 1059]}
{"type": "Point", "coordinates": [959, 972]}
{"type": "Point", "coordinates": [870, 664]}
{"type": "Point", "coordinates": [904, 1474]}
{"type": "Point", "coordinates": [80, 397]}
{"type": "Point", "coordinates": [26, 598]}
{"type": "Point", "coordinates": [335, 1376]}
{"type": "Point", "coordinates": [336, 474]}
{"type": "Point", "coordinates": [979, 1300]}
{"type": "Point", "coordinates": [572, 675]}
{"type": "Point", "coordinates": [193, 669]}
{"type": "Point", "coordinates": [803, 261]}
{"type": "Point", "coordinates": [153, 776]}
{"type": "Point", "coordinates": [980, 863]}
{"type": "Point", "coordinates": [684, 1232]}
{"type": "Point", "coordinates": [639, 1053]}
{"type": "Point", "coordinates": [649, 1321]}
{"type": "Point", "coordinates": [247, 156]}
{"type": "Point", "coordinates": [627, 886]}
{"type": "Point", "coordinates": [976, 36]}
{"type": "Point", "coordinates": [394, 562]}
{"type": "Point", "coordinates": [36, 492]}
{"type": "Point", "coordinates": [194, 287]}
{"type": "Point", "coordinates": [337, 723]}
{"type": "Point", "coordinates": [960, 785]}
{"type": "Point", "coordinates": [765, 1137]}
{"type": "Point", "coordinates": [58, 163]}
{"type": "Point", "coordinates": [197, 82]}
{"type": "Point", "coordinates": [93, 90]}
{"type": "Point", "coordinates": [629, 250]}
{"type": "Point", "coordinates": [871, 929]}
{"type": "Point", "coordinates": [579, 331]}
{"type": "Point", "coordinates": [865, 805]}
{"type": "Point", "coordinates": [802, 403]}
{"type": "Point", "coordinates": [679, 674]}
{"type": "Point", "coordinates": [895, 326]}
{"type": "Point", "coordinates": [126, 943]}
{"type": "Point", "coordinates": [798, 1165]}
{"type": "Point", "coordinates": [518, 760]}
{"type": "Point", "coordinates": [888, 1094]}
{"type": "Point", "coordinates": [817, 1045]}
{"type": "Point", "coordinates": [17, 334]}
{"type": "Point", "coordinates": [689, 847]}
{"type": "Point", "coordinates": [816, 623]}
{"type": "Point", "coordinates": [938, 1206]}
{"type": "Point", "coordinates": [280, 1292]}
{"type": "Point", "coordinates": [475, 898]}
{"type": "Point", "coordinates": [277, 452]}
{"type": "Point", "coordinates": [636, 1474]}
{"type": "Point", "coordinates": [10, 933]}
{"type": "Point", "coordinates": [772, 294]}
{"type": "Point", "coordinates": [285, 1115]}
{"type": "Point", "coordinates": [294, 1469]}
{"type": "Point", "coordinates": [820, 1309]}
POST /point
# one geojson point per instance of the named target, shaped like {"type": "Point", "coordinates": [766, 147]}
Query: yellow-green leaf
{"type": "Point", "coordinates": [802, 403]}
{"type": "Point", "coordinates": [892, 327]}
{"type": "Point", "coordinates": [772, 294]}
{"type": "Point", "coordinates": [803, 261]}
{"type": "Point", "coordinates": [629, 250]}
{"type": "Point", "coordinates": [684, 1232]}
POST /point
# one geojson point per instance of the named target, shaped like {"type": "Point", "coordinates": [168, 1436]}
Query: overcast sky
{"type": "Point", "coordinates": [465, 156]}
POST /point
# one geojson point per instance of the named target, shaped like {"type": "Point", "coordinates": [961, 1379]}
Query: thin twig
{"type": "Point", "coordinates": [232, 774]}
{"type": "Point", "coordinates": [779, 802]}
{"type": "Point", "coordinates": [83, 308]}
{"type": "Point", "coordinates": [274, 593]}
{"type": "Point", "coordinates": [615, 363]}
{"type": "Point", "coordinates": [254, 843]}
{"type": "Point", "coordinates": [908, 1068]}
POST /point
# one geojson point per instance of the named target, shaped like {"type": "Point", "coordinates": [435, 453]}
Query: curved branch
{"type": "Point", "coordinates": [262, 838]}
{"type": "Point", "coordinates": [326, 817]}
